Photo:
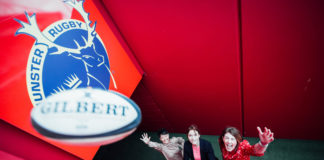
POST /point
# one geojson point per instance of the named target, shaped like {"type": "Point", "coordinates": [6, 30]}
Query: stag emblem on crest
{"type": "Point", "coordinates": [68, 54]}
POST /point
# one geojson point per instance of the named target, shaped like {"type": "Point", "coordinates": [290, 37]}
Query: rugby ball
{"type": "Point", "coordinates": [86, 116]}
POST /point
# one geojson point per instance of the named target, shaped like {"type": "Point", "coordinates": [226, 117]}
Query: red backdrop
{"type": "Point", "coordinates": [283, 67]}
{"type": "Point", "coordinates": [199, 56]}
{"type": "Point", "coordinates": [189, 51]}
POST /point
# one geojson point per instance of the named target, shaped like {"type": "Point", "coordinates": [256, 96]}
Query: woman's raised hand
{"type": "Point", "coordinates": [266, 137]}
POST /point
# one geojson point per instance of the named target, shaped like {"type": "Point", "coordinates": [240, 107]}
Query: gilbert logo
{"type": "Point", "coordinates": [68, 54]}
{"type": "Point", "coordinates": [86, 116]}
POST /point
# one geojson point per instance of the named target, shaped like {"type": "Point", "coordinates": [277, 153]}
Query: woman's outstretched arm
{"type": "Point", "coordinates": [266, 137]}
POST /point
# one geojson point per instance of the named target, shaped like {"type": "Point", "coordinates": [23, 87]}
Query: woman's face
{"type": "Point", "coordinates": [229, 142]}
{"type": "Point", "coordinates": [193, 137]}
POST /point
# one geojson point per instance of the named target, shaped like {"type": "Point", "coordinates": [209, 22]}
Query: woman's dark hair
{"type": "Point", "coordinates": [234, 132]}
{"type": "Point", "coordinates": [162, 131]}
{"type": "Point", "coordinates": [193, 127]}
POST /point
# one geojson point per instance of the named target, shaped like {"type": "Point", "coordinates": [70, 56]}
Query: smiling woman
{"type": "Point", "coordinates": [196, 148]}
{"type": "Point", "coordinates": [233, 148]}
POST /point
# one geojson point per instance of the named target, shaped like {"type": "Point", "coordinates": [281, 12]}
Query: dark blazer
{"type": "Point", "coordinates": [206, 151]}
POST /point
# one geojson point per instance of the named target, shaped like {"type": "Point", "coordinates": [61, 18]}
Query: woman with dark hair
{"type": "Point", "coordinates": [196, 148]}
{"type": "Point", "coordinates": [233, 147]}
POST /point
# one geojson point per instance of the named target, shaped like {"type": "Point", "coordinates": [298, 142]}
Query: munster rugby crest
{"type": "Point", "coordinates": [68, 54]}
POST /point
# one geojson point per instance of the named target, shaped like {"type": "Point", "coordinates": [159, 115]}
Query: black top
{"type": "Point", "coordinates": [206, 151]}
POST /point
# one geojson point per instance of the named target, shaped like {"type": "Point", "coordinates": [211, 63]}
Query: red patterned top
{"type": "Point", "coordinates": [244, 151]}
